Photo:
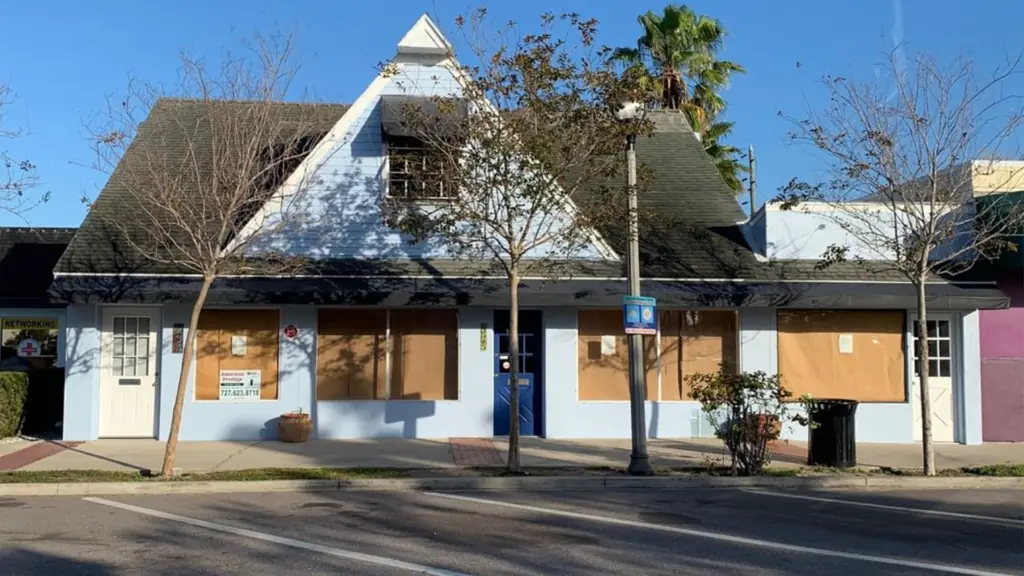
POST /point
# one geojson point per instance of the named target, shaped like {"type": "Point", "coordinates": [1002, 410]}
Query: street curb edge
{"type": "Point", "coordinates": [505, 483]}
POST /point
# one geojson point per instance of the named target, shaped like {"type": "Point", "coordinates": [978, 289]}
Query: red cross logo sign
{"type": "Point", "coordinates": [28, 348]}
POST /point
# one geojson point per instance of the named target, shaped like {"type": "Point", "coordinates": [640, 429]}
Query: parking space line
{"type": "Point", "coordinates": [949, 569]}
{"type": "Point", "coordinates": [328, 550]}
{"type": "Point", "coordinates": [885, 506]}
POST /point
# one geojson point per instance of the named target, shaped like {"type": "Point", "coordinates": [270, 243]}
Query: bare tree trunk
{"type": "Point", "coordinates": [513, 354]}
{"type": "Point", "coordinates": [186, 366]}
{"type": "Point", "coordinates": [926, 400]}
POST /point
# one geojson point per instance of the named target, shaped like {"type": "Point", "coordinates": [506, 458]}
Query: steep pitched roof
{"type": "Point", "coordinates": [27, 258]}
{"type": "Point", "coordinates": [690, 231]}
{"type": "Point", "coordinates": [98, 249]}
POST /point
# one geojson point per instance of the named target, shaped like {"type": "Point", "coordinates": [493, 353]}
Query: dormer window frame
{"type": "Point", "coordinates": [402, 183]}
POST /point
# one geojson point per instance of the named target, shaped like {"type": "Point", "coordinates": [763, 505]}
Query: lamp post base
{"type": "Point", "coordinates": [639, 466]}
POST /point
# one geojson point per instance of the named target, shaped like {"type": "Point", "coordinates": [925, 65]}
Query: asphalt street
{"type": "Point", "coordinates": [720, 531]}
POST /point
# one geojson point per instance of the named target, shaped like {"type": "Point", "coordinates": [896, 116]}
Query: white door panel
{"type": "Point", "coordinates": [940, 383]}
{"type": "Point", "coordinates": [128, 372]}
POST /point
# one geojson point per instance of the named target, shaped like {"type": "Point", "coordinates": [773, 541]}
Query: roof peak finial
{"type": "Point", "coordinates": [424, 38]}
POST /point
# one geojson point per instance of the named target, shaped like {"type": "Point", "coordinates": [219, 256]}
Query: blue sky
{"type": "Point", "coordinates": [64, 57]}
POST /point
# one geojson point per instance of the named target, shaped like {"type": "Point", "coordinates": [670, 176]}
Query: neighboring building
{"type": "Point", "coordinates": [402, 341]}
{"type": "Point", "coordinates": [1002, 331]}
{"type": "Point", "coordinates": [31, 324]}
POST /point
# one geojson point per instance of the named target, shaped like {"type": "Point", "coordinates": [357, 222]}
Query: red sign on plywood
{"type": "Point", "coordinates": [291, 331]}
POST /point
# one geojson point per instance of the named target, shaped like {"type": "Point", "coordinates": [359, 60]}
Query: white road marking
{"type": "Point", "coordinates": [949, 569]}
{"type": "Point", "coordinates": [328, 550]}
{"type": "Point", "coordinates": [885, 506]}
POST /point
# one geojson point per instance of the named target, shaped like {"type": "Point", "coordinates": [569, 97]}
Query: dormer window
{"type": "Point", "coordinates": [414, 173]}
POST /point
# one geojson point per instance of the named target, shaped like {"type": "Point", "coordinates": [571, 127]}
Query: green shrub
{"type": "Point", "coordinates": [13, 393]}
{"type": "Point", "coordinates": [746, 410]}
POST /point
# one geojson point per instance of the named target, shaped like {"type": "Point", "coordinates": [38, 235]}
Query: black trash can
{"type": "Point", "coordinates": [832, 438]}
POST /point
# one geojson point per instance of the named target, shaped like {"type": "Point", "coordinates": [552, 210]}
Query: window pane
{"type": "Point", "coordinates": [917, 367]}
{"type": "Point", "coordinates": [945, 368]}
{"type": "Point", "coordinates": [118, 367]}
{"type": "Point", "coordinates": [142, 346]}
{"type": "Point", "coordinates": [129, 367]}
{"type": "Point", "coordinates": [129, 346]}
{"type": "Point", "coordinates": [944, 349]}
{"type": "Point", "coordinates": [944, 328]}
{"type": "Point", "coordinates": [933, 348]}
{"type": "Point", "coordinates": [130, 325]}
{"type": "Point", "coordinates": [142, 367]}
{"type": "Point", "coordinates": [119, 325]}
{"type": "Point", "coordinates": [144, 325]}
{"type": "Point", "coordinates": [932, 329]}
{"type": "Point", "coordinates": [118, 346]}
{"type": "Point", "coordinates": [933, 367]}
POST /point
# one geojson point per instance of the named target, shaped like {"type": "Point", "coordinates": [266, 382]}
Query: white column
{"type": "Point", "coordinates": [970, 378]}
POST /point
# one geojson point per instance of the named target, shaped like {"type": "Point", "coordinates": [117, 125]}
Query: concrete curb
{"type": "Point", "coordinates": [502, 483]}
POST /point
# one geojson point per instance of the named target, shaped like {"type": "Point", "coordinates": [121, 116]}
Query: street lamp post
{"type": "Point", "coordinates": [639, 461]}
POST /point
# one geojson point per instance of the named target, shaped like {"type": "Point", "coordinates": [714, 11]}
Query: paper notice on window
{"type": "Point", "coordinates": [238, 346]}
{"type": "Point", "coordinates": [608, 345]}
{"type": "Point", "coordinates": [846, 343]}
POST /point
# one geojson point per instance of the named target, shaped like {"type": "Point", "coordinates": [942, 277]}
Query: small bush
{"type": "Point", "coordinates": [13, 393]}
{"type": "Point", "coordinates": [747, 410]}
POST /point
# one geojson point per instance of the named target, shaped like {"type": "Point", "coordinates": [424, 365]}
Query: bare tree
{"type": "Point", "coordinates": [513, 172]}
{"type": "Point", "coordinates": [188, 185]}
{"type": "Point", "coordinates": [17, 175]}
{"type": "Point", "coordinates": [904, 156]}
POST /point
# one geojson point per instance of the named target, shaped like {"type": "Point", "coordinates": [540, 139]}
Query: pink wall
{"type": "Point", "coordinates": [1002, 331]}
{"type": "Point", "coordinates": [1002, 366]}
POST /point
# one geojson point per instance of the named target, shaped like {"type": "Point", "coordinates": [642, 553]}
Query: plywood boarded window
{"type": "Point", "coordinates": [350, 359]}
{"type": "Point", "coordinates": [424, 355]}
{"type": "Point", "coordinates": [603, 357]}
{"type": "Point", "coordinates": [845, 354]}
{"type": "Point", "coordinates": [236, 340]}
{"type": "Point", "coordinates": [692, 342]}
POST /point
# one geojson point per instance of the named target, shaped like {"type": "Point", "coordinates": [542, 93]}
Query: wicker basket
{"type": "Point", "coordinates": [294, 427]}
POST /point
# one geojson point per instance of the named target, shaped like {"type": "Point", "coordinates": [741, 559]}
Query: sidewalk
{"type": "Point", "coordinates": [454, 453]}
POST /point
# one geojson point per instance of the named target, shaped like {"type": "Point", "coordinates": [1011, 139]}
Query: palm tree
{"type": "Point", "coordinates": [677, 54]}
{"type": "Point", "coordinates": [727, 158]}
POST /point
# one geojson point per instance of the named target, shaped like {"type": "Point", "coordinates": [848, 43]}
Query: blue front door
{"type": "Point", "coordinates": [530, 353]}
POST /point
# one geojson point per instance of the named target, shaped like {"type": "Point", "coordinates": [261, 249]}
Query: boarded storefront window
{"type": "Point", "coordinates": [845, 354]}
{"type": "Point", "coordinates": [692, 342]}
{"type": "Point", "coordinates": [353, 358]}
{"type": "Point", "coordinates": [237, 355]}
{"type": "Point", "coordinates": [603, 357]}
{"type": "Point", "coordinates": [350, 361]}
{"type": "Point", "coordinates": [29, 340]}
{"type": "Point", "coordinates": [424, 355]}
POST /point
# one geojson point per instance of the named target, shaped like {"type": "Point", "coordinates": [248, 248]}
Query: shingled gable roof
{"type": "Point", "coordinates": [97, 249]}
{"type": "Point", "coordinates": [27, 258]}
{"type": "Point", "coordinates": [693, 231]}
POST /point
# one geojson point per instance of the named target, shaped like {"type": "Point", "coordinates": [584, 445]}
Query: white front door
{"type": "Point", "coordinates": [128, 372]}
{"type": "Point", "coordinates": [940, 382]}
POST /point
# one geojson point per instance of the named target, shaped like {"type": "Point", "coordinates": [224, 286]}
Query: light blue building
{"type": "Point", "coordinates": [393, 340]}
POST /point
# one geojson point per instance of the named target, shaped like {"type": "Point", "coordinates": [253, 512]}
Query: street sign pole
{"type": "Point", "coordinates": [639, 462]}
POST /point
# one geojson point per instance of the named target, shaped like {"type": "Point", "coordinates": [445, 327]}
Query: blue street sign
{"type": "Point", "coordinates": [639, 315]}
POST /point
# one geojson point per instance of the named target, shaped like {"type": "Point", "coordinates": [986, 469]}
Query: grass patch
{"type": "Point", "coordinates": [1004, 470]}
{"type": "Point", "coordinates": [54, 476]}
{"type": "Point", "coordinates": [255, 474]}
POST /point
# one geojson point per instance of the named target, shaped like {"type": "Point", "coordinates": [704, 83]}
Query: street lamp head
{"type": "Point", "coordinates": [632, 111]}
